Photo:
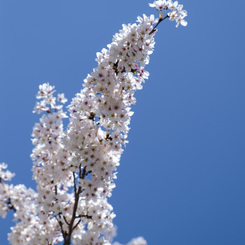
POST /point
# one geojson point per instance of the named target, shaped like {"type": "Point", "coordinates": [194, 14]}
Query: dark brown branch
{"type": "Point", "coordinates": [159, 21]}
{"type": "Point", "coordinates": [77, 192]}
{"type": "Point", "coordinates": [74, 180]}
{"type": "Point", "coordinates": [66, 220]}
{"type": "Point", "coordinates": [56, 190]}
{"type": "Point", "coordinates": [64, 234]}
{"type": "Point", "coordinates": [75, 226]}
{"type": "Point", "coordinates": [82, 174]}
{"type": "Point", "coordinates": [10, 205]}
{"type": "Point", "coordinates": [84, 216]}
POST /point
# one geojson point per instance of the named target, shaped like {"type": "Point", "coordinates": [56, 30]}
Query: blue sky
{"type": "Point", "coordinates": [181, 179]}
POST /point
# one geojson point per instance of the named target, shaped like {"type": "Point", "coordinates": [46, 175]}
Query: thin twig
{"type": "Point", "coordinates": [84, 216]}
{"type": "Point", "coordinates": [61, 228]}
{"type": "Point", "coordinates": [74, 179]}
{"type": "Point", "coordinates": [159, 21]}
{"type": "Point", "coordinates": [77, 193]}
{"type": "Point", "coordinates": [10, 205]}
{"type": "Point", "coordinates": [75, 226]}
{"type": "Point", "coordinates": [64, 217]}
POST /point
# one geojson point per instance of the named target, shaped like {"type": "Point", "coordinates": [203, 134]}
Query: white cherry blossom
{"type": "Point", "coordinates": [75, 167]}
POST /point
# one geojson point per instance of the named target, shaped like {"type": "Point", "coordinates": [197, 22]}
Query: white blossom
{"type": "Point", "coordinates": [75, 167]}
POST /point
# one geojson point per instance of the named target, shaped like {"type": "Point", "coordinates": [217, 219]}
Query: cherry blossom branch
{"type": "Point", "coordinates": [75, 168]}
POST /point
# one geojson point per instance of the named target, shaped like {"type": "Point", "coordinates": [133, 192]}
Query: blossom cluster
{"type": "Point", "coordinates": [5, 176]}
{"type": "Point", "coordinates": [75, 168]}
{"type": "Point", "coordinates": [176, 11]}
{"type": "Point", "coordinates": [23, 202]}
{"type": "Point", "coordinates": [100, 116]}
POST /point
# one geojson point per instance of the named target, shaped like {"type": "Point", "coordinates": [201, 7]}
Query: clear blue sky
{"type": "Point", "coordinates": [181, 179]}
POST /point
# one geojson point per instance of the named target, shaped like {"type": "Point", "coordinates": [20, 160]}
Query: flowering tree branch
{"type": "Point", "coordinates": [75, 168]}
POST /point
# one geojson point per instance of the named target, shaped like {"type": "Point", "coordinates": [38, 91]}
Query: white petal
{"type": "Point", "coordinates": [183, 23]}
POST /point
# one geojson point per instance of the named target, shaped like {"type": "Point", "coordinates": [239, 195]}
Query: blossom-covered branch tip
{"type": "Point", "coordinates": [175, 9]}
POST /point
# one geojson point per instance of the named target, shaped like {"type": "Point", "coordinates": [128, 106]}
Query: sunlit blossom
{"type": "Point", "coordinates": [75, 166]}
